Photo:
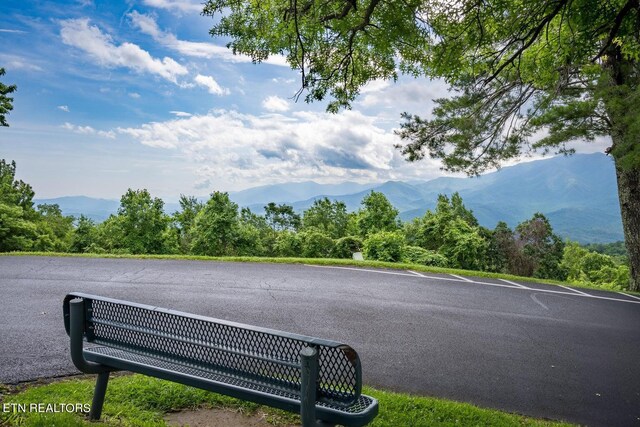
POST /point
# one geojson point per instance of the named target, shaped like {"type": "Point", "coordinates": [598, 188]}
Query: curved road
{"type": "Point", "coordinates": [539, 350]}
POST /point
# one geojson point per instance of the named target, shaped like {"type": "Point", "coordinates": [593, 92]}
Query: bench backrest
{"type": "Point", "coordinates": [247, 352]}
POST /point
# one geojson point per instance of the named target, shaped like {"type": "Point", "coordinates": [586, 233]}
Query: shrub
{"type": "Point", "coordinates": [418, 255]}
{"type": "Point", "coordinates": [95, 249]}
{"type": "Point", "coordinates": [346, 246]}
{"type": "Point", "coordinates": [584, 266]}
{"type": "Point", "coordinates": [384, 246]}
{"type": "Point", "coordinates": [316, 245]}
{"type": "Point", "coordinates": [288, 244]}
{"type": "Point", "coordinates": [248, 242]}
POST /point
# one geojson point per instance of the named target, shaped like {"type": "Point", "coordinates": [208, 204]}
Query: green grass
{"type": "Point", "coordinates": [318, 261]}
{"type": "Point", "coordinates": [136, 400]}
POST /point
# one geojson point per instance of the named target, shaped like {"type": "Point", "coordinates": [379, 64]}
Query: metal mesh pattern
{"type": "Point", "coordinates": [255, 358]}
{"type": "Point", "coordinates": [359, 406]}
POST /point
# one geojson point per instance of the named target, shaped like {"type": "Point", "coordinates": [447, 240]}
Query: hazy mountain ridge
{"type": "Point", "coordinates": [288, 192]}
{"type": "Point", "coordinates": [577, 193]}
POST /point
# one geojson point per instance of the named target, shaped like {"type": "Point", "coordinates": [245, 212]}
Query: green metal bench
{"type": "Point", "coordinates": [317, 378]}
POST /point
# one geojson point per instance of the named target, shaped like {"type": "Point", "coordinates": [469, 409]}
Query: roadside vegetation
{"type": "Point", "coordinates": [137, 400]}
{"type": "Point", "coordinates": [449, 237]}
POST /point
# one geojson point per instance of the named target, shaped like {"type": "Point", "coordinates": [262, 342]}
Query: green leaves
{"type": "Point", "coordinates": [337, 45]}
{"type": "Point", "coordinates": [520, 69]}
{"type": "Point", "coordinates": [525, 76]}
{"type": "Point", "coordinates": [143, 222]}
{"type": "Point", "coordinates": [584, 266]}
{"type": "Point", "coordinates": [215, 228]}
{"type": "Point", "coordinates": [6, 102]}
{"type": "Point", "coordinates": [377, 214]}
{"type": "Point", "coordinates": [384, 246]}
{"type": "Point", "coordinates": [16, 232]}
{"type": "Point", "coordinates": [328, 217]}
{"type": "Point", "coordinates": [452, 231]}
{"type": "Point", "coordinates": [18, 229]}
{"type": "Point", "coordinates": [516, 68]}
{"type": "Point", "coordinates": [281, 217]}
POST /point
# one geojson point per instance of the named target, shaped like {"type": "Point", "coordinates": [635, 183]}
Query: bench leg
{"type": "Point", "coordinates": [308, 384]}
{"type": "Point", "coordinates": [98, 396]}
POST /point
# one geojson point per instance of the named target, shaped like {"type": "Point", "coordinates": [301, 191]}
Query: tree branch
{"type": "Point", "coordinates": [631, 4]}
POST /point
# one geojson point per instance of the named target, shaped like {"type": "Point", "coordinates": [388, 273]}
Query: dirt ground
{"type": "Point", "coordinates": [217, 418]}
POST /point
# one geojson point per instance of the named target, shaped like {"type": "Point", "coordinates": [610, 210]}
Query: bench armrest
{"type": "Point", "coordinates": [76, 333]}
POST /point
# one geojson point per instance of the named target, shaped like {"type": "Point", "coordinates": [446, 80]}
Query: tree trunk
{"type": "Point", "coordinates": [620, 100]}
{"type": "Point", "coordinates": [629, 196]}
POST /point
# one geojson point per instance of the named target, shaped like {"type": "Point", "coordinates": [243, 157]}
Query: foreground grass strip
{"type": "Point", "coordinates": [319, 261]}
{"type": "Point", "coordinates": [136, 400]}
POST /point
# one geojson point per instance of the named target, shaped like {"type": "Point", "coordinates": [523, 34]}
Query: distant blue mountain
{"type": "Point", "coordinates": [577, 193]}
{"type": "Point", "coordinates": [289, 192]}
{"type": "Point", "coordinates": [96, 209]}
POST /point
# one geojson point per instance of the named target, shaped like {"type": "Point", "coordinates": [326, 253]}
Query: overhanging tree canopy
{"type": "Point", "coordinates": [526, 75]}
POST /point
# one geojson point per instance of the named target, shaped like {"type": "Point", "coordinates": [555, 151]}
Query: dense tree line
{"type": "Point", "coordinates": [523, 76]}
{"type": "Point", "coordinates": [448, 236]}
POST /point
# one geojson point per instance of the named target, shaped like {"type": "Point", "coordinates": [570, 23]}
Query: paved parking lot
{"type": "Point", "coordinates": [535, 349]}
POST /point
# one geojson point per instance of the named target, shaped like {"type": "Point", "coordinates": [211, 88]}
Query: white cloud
{"type": "Point", "coordinates": [88, 130]}
{"type": "Point", "coordinates": [107, 134]}
{"type": "Point", "coordinates": [101, 48]}
{"type": "Point", "coordinates": [408, 92]}
{"type": "Point", "coordinates": [180, 114]}
{"type": "Point", "coordinates": [244, 148]}
{"type": "Point", "coordinates": [375, 86]}
{"type": "Point", "coordinates": [134, 95]}
{"type": "Point", "coordinates": [281, 80]}
{"type": "Point", "coordinates": [6, 30]}
{"type": "Point", "coordinates": [14, 62]}
{"type": "Point", "coordinates": [148, 25]}
{"type": "Point", "coordinates": [212, 86]}
{"type": "Point", "coordinates": [275, 104]}
{"type": "Point", "coordinates": [63, 108]}
{"type": "Point", "coordinates": [180, 5]}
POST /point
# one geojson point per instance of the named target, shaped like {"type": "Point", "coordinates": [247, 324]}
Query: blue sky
{"type": "Point", "coordinates": [119, 94]}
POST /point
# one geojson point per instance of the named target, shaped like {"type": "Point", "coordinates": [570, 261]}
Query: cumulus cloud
{"type": "Point", "coordinates": [384, 93]}
{"type": "Point", "coordinates": [275, 104]}
{"type": "Point", "coordinates": [148, 25]}
{"type": "Point", "coordinates": [244, 148]}
{"type": "Point", "coordinates": [63, 108]}
{"type": "Point", "coordinates": [88, 130]}
{"type": "Point", "coordinates": [179, 5]}
{"type": "Point", "coordinates": [101, 48]}
{"type": "Point", "coordinates": [212, 86]}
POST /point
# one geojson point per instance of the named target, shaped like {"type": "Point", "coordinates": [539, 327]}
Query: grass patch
{"type": "Point", "coordinates": [318, 261]}
{"type": "Point", "coordinates": [137, 400]}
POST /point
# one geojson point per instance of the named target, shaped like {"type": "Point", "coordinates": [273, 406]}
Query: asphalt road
{"type": "Point", "coordinates": [534, 349]}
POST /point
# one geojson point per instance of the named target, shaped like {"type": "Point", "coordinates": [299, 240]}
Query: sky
{"type": "Point", "coordinates": [136, 94]}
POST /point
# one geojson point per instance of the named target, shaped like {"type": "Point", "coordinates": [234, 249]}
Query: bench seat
{"type": "Point", "coordinates": [361, 412]}
{"type": "Point", "coordinates": [318, 378]}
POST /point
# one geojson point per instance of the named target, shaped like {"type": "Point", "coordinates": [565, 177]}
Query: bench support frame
{"type": "Point", "coordinates": [76, 333]}
{"type": "Point", "coordinates": [98, 396]}
{"type": "Point", "coordinates": [78, 327]}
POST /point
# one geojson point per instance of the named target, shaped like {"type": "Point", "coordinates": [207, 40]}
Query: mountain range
{"type": "Point", "coordinates": [577, 193]}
